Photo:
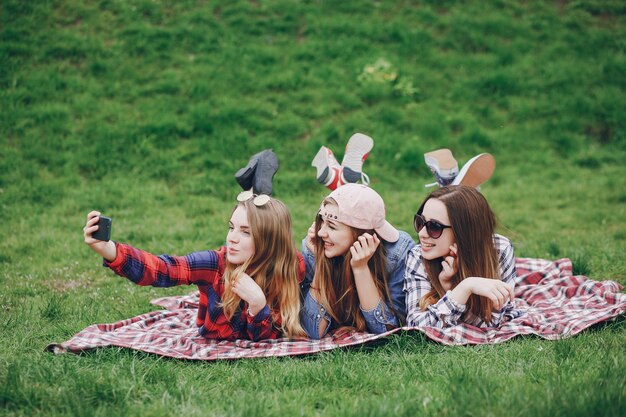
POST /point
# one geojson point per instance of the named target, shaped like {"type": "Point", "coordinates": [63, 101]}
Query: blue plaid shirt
{"type": "Point", "coordinates": [447, 312]}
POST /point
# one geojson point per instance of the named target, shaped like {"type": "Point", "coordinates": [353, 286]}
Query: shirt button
{"type": "Point", "coordinates": [318, 316]}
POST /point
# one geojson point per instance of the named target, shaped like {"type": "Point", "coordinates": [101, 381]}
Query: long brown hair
{"type": "Point", "coordinates": [473, 224]}
{"type": "Point", "coordinates": [334, 280]}
{"type": "Point", "coordinates": [274, 265]}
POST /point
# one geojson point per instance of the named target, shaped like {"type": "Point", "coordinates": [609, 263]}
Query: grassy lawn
{"type": "Point", "coordinates": [144, 109]}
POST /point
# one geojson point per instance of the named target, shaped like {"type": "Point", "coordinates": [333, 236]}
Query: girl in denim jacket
{"type": "Point", "coordinates": [355, 265]}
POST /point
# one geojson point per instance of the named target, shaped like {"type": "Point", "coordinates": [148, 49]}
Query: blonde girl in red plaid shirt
{"type": "Point", "coordinates": [249, 289]}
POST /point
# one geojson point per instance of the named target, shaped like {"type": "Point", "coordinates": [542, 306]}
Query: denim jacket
{"type": "Point", "coordinates": [312, 312]}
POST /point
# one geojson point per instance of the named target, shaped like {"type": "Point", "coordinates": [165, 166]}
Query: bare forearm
{"type": "Point", "coordinates": [369, 297]}
{"type": "Point", "coordinates": [256, 306]}
{"type": "Point", "coordinates": [107, 251]}
{"type": "Point", "coordinates": [493, 289]}
{"type": "Point", "coordinates": [461, 293]}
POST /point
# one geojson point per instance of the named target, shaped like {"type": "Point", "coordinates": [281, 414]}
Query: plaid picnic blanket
{"type": "Point", "coordinates": [557, 304]}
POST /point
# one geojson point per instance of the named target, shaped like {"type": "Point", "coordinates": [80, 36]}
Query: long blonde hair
{"type": "Point", "coordinates": [334, 279]}
{"type": "Point", "coordinates": [473, 224]}
{"type": "Point", "coordinates": [274, 265]}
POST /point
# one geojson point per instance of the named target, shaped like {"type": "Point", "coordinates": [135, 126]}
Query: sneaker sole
{"type": "Point", "coordinates": [476, 171]}
{"type": "Point", "coordinates": [443, 161]}
{"type": "Point", "coordinates": [357, 149]}
{"type": "Point", "coordinates": [245, 175]}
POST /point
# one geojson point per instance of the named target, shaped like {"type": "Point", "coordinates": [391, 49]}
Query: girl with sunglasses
{"type": "Point", "coordinates": [249, 289]}
{"type": "Point", "coordinates": [355, 264]}
{"type": "Point", "coordinates": [461, 272]}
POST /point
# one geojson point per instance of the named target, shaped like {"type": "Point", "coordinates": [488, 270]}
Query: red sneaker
{"type": "Point", "coordinates": [328, 169]}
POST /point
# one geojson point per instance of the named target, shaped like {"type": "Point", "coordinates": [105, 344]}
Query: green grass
{"type": "Point", "coordinates": [145, 109]}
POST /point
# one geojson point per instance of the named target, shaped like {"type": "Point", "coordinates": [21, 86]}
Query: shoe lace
{"type": "Point", "coordinates": [365, 179]}
{"type": "Point", "coordinates": [441, 181]}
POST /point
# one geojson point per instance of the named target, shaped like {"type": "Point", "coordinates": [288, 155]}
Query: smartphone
{"type": "Point", "coordinates": [104, 229]}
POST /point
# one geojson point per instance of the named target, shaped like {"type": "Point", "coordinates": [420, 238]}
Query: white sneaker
{"type": "Point", "coordinates": [357, 150]}
{"type": "Point", "coordinates": [476, 171]}
{"type": "Point", "coordinates": [328, 169]}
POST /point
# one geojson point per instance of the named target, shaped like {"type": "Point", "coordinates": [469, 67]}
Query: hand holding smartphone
{"type": "Point", "coordinates": [104, 229]}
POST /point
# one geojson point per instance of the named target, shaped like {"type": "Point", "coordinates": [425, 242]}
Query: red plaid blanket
{"type": "Point", "coordinates": [557, 303]}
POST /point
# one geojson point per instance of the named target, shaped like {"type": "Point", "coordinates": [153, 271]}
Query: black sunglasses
{"type": "Point", "coordinates": [433, 228]}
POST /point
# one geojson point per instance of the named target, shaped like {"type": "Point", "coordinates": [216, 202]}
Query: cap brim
{"type": "Point", "coordinates": [388, 232]}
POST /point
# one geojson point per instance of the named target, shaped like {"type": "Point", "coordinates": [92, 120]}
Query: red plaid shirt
{"type": "Point", "coordinates": [204, 269]}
